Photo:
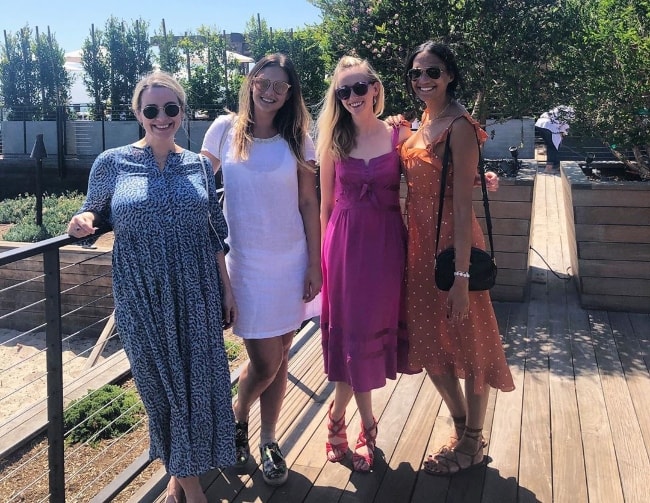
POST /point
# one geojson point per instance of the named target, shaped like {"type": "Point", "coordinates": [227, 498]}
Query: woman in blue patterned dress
{"type": "Point", "coordinates": [172, 292]}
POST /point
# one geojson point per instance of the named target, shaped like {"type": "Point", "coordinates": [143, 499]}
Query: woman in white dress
{"type": "Point", "coordinates": [267, 159]}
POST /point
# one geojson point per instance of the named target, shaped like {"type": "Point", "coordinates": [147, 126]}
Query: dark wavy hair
{"type": "Point", "coordinates": [447, 56]}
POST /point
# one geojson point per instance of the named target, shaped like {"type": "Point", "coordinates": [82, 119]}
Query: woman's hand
{"type": "Point", "coordinates": [81, 225]}
{"type": "Point", "coordinates": [228, 308]}
{"type": "Point", "coordinates": [458, 300]}
{"type": "Point", "coordinates": [491, 181]}
{"type": "Point", "coordinates": [313, 283]}
{"type": "Point", "coordinates": [397, 121]}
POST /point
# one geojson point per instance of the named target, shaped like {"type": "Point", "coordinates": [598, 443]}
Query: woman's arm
{"type": "Point", "coordinates": [326, 191]}
{"type": "Point", "coordinates": [308, 206]}
{"type": "Point", "coordinates": [228, 306]}
{"type": "Point", "coordinates": [465, 156]}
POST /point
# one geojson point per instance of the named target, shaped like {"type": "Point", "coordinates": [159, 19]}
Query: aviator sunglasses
{"type": "Point", "coordinates": [433, 72]}
{"type": "Point", "coordinates": [279, 86]}
{"type": "Point", "coordinates": [359, 88]}
{"type": "Point", "coordinates": [152, 111]}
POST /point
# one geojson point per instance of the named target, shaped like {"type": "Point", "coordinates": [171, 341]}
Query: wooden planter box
{"type": "Point", "coordinates": [511, 208]}
{"type": "Point", "coordinates": [610, 258]}
{"type": "Point", "coordinates": [86, 290]}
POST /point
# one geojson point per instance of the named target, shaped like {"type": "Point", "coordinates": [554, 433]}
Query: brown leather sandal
{"type": "Point", "coordinates": [448, 463]}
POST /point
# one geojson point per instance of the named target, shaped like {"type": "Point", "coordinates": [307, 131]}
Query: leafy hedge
{"type": "Point", "coordinates": [107, 412]}
{"type": "Point", "coordinates": [21, 211]}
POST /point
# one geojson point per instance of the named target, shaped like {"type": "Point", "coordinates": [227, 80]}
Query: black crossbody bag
{"type": "Point", "coordinates": [482, 266]}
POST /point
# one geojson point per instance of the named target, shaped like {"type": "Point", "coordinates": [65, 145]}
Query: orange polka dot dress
{"type": "Point", "coordinates": [473, 348]}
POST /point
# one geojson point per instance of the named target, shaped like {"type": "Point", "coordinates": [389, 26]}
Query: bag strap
{"type": "Point", "coordinates": [443, 183]}
{"type": "Point", "coordinates": [204, 171]}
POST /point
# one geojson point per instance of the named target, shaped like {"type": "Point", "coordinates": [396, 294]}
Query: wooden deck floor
{"type": "Point", "coordinates": [576, 429]}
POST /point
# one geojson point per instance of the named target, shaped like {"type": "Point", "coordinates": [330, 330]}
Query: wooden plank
{"type": "Point", "coordinates": [603, 483]}
{"type": "Point", "coordinates": [506, 192]}
{"type": "Point", "coordinates": [615, 303]}
{"type": "Point", "coordinates": [631, 454]}
{"type": "Point", "coordinates": [614, 269]}
{"type": "Point", "coordinates": [569, 477]}
{"type": "Point", "coordinates": [604, 196]}
{"type": "Point", "coordinates": [535, 452]}
{"type": "Point", "coordinates": [616, 286]}
{"type": "Point", "coordinates": [506, 209]}
{"type": "Point", "coordinates": [390, 436]}
{"type": "Point", "coordinates": [404, 469]}
{"type": "Point", "coordinates": [636, 372]}
{"type": "Point", "coordinates": [614, 233]}
{"type": "Point", "coordinates": [507, 226]}
{"type": "Point", "coordinates": [597, 215]}
{"type": "Point", "coordinates": [501, 478]}
{"type": "Point", "coordinates": [641, 330]}
{"type": "Point", "coordinates": [636, 252]}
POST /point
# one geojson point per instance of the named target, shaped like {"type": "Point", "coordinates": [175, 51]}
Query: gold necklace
{"type": "Point", "coordinates": [439, 114]}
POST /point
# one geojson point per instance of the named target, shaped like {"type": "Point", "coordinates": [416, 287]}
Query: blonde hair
{"type": "Point", "coordinates": [336, 119]}
{"type": "Point", "coordinates": [158, 79]}
{"type": "Point", "coordinates": [292, 120]}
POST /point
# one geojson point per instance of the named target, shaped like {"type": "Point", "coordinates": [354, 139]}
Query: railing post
{"type": "Point", "coordinates": [55, 430]}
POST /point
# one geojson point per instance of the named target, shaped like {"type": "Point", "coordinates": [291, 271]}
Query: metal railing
{"type": "Point", "coordinates": [40, 295]}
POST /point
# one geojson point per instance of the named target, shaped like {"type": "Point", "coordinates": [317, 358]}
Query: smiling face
{"type": "Point", "coordinates": [425, 87]}
{"type": "Point", "coordinates": [161, 127]}
{"type": "Point", "coordinates": [269, 100]}
{"type": "Point", "coordinates": [352, 81]}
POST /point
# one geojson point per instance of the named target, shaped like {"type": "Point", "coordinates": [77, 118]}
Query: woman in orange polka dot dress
{"type": "Point", "coordinates": [452, 335]}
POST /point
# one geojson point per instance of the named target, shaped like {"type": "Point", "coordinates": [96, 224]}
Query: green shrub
{"type": "Point", "coordinates": [233, 349]}
{"type": "Point", "coordinates": [21, 211]}
{"type": "Point", "coordinates": [107, 412]}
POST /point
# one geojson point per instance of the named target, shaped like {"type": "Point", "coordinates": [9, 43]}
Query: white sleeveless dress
{"type": "Point", "coordinates": [268, 257]}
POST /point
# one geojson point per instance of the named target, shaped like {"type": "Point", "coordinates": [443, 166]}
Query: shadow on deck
{"type": "Point", "coordinates": [577, 427]}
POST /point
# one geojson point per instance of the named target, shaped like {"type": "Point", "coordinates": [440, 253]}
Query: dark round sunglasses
{"type": "Point", "coordinates": [434, 73]}
{"type": "Point", "coordinates": [152, 111]}
{"type": "Point", "coordinates": [359, 88]}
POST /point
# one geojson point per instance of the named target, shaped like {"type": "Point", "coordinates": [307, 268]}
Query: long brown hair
{"type": "Point", "coordinates": [292, 120]}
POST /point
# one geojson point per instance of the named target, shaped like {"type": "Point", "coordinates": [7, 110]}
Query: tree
{"type": "Point", "coordinates": [54, 80]}
{"type": "Point", "coordinates": [212, 79]}
{"type": "Point", "coordinates": [129, 57]}
{"type": "Point", "coordinates": [169, 56]}
{"type": "Point", "coordinates": [502, 46]}
{"type": "Point", "coordinates": [19, 76]}
{"type": "Point", "coordinates": [94, 60]}
{"type": "Point", "coordinates": [607, 69]}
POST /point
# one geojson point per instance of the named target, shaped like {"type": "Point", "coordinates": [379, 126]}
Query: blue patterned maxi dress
{"type": "Point", "coordinates": [167, 300]}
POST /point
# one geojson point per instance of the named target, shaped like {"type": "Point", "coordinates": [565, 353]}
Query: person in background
{"type": "Point", "coordinates": [171, 289]}
{"type": "Point", "coordinates": [452, 335]}
{"type": "Point", "coordinates": [552, 127]}
{"type": "Point", "coordinates": [363, 253]}
{"type": "Point", "coordinates": [267, 159]}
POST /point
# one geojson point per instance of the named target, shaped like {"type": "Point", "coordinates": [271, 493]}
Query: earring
{"type": "Point", "coordinates": [374, 101]}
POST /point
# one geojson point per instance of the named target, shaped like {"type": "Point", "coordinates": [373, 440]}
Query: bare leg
{"type": "Point", "coordinates": [192, 489]}
{"type": "Point", "coordinates": [342, 395]}
{"type": "Point", "coordinates": [265, 377]}
{"type": "Point", "coordinates": [174, 491]}
{"type": "Point", "coordinates": [364, 402]}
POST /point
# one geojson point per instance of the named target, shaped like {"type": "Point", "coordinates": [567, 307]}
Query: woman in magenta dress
{"type": "Point", "coordinates": [363, 252]}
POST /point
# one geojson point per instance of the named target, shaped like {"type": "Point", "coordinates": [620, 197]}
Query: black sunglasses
{"type": "Point", "coordinates": [152, 111]}
{"type": "Point", "coordinates": [359, 88]}
{"type": "Point", "coordinates": [434, 73]}
{"type": "Point", "coordinates": [279, 86]}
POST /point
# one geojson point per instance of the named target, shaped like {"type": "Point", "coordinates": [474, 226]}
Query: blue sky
{"type": "Point", "coordinates": [70, 20]}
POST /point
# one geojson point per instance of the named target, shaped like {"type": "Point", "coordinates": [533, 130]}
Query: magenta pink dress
{"type": "Point", "coordinates": [364, 253]}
